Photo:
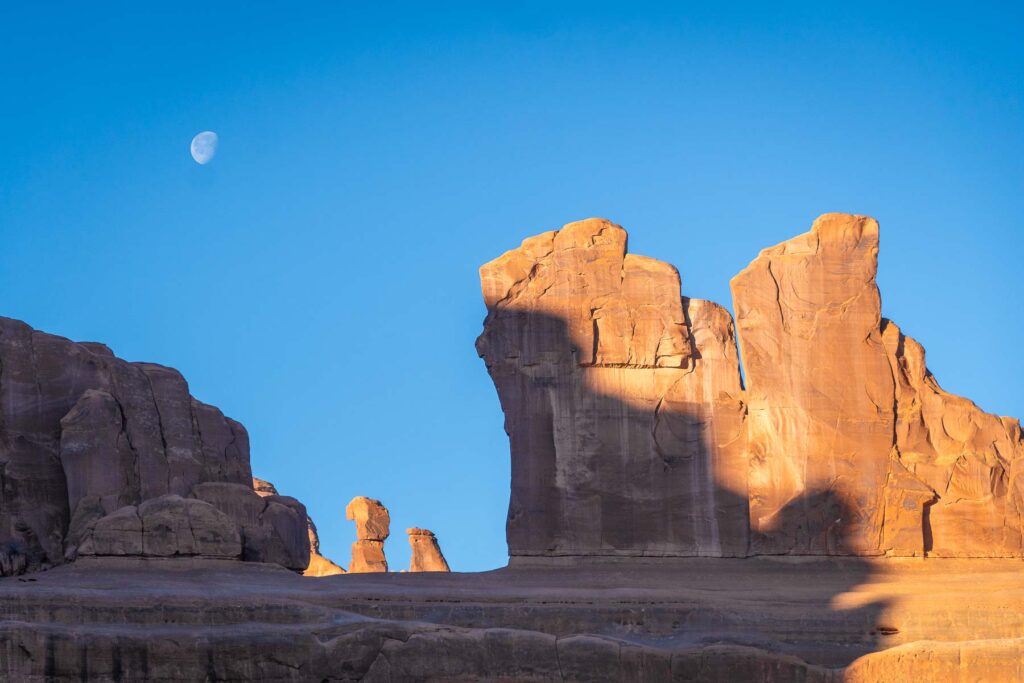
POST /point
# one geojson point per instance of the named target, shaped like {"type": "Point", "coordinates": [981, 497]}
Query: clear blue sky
{"type": "Point", "coordinates": [318, 279]}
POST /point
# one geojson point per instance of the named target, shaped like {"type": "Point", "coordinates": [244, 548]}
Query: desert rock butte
{"type": "Point", "coordinates": [829, 513]}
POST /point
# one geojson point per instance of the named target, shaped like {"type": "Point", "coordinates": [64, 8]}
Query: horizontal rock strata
{"type": "Point", "coordinates": [632, 434]}
{"type": "Point", "coordinates": [107, 619]}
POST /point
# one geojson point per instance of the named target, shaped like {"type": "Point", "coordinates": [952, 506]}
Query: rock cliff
{"type": "Point", "coordinates": [632, 433]}
{"type": "Point", "coordinates": [99, 456]}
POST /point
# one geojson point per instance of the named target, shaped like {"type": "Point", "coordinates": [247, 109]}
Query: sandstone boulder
{"type": "Point", "coordinates": [373, 526]}
{"type": "Point", "coordinates": [318, 564]}
{"type": "Point", "coordinates": [273, 528]}
{"type": "Point", "coordinates": [426, 553]}
{"type": "Point", "coordinates": [167, 526]}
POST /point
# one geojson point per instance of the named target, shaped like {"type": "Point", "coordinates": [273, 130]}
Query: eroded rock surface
{"type": "Point", "coordinates": [318, 564]}
{"type": "Point", "coordinates": [373, 526]}
{"type": "Point", "coordinates": [426, 553]}
{"type": "Point", "coordinates": [651, 619]}
{"type": "Point", "coordinates": [621, 399]}
{"type": "Point", "coordinates": [631, 433]}
{"type": "Point", "coordinates": [91, 446]}
{"type": "Point", "coordinates": [843, 414]}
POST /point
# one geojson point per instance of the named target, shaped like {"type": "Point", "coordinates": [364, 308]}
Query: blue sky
{"type": "Point", "coordinates": [318, 279]}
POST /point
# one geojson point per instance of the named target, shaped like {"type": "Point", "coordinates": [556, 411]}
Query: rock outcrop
{"type": "Point", "coordinates": [426, 553]}
{"type": "Point", "coordinates": [631, 433]}
{"type": "Point", "coordinates": [102, 456]}
{"type": "Point", "coordinates": [318, 564]}
{"type": "Point", "coordinates": [373, 526]}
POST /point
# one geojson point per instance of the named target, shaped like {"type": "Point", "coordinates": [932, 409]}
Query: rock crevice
{"type": "Point", "coordinates": [633, 434]}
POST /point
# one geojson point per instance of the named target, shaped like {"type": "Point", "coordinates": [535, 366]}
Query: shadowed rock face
{"type": "Point", "coordinates": [632, 435]}
{"type": "Point", "coordinates": [426, 553]}
{"type": "Point", "coordinates": [318, 564]}
{"type": "Point", "coordinates": [621, 399]}
{"type": "Point", "coordinates": [92, 446]}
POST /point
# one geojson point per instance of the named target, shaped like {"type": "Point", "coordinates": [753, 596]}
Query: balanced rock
{"type": "Point", "coordinates": [88, 439]}
{"type": "Point", "coordinates": [426, 553]}
{"type": "Point", "coordinates": [373, 526]}
{"type": "Point", "coordinates": [631, 433]}
{"type": "Point", "coordinates": [318, 564]}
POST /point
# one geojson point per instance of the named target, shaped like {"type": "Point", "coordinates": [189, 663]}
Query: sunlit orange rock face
{"type": "Point", "coordinates": [373, 526]}
{"type": "Point", "coordinates": [632, 434]}
{"type": "Point", "coordinates": [426, 553]}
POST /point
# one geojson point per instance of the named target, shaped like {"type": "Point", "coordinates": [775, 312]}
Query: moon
{"type": "Point", "coordinates": [204, 146]}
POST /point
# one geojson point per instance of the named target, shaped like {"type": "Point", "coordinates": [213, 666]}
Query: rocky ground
{"type": "Point", "coordinates": [825, 619]}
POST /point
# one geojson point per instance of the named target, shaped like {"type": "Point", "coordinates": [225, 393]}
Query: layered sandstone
{"type": "Point", "coordinates": [621, 400]}
{"type": "Point", "coordinates": [373, 526]}
{"type": "Point", "coordinates": [426, 552]}
{"type": "Point", "coordinates": [99, 456]}
{"type": "Point", "coordinates": [631, 433]}
{"type": "Point", "coordinates": [651, 619]}
{"type": "Point", "coordinates": [318, 564]}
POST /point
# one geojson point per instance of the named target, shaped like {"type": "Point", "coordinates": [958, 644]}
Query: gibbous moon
{"type": "Point", "coordinates": [204, 146]}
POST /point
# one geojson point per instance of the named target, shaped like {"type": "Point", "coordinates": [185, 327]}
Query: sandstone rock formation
{"type": "Point", "coordinates": [631, 433]}
{"type": "Point", "coordinates": [102, 456]}
{"type": "Point", "coordinates": [373, 526]}
{"type": "Point", "coordinates": [318, 564]}
{"type": "Point", "coordinates": [426, 553]}
{"type": "Point", "coordinates": [622, 619]}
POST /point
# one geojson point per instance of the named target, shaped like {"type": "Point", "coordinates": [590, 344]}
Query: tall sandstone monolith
{"type": "Point", "coordinates": [426, 552]}
{"type": "Point", "coordinates": [373, 526]}
{"type": "Point", "coordinates": [621, 400]}
{"type": "Point", "coordinates": [631, 433]}
{"type": "Point", "coordinates": [99, 456]}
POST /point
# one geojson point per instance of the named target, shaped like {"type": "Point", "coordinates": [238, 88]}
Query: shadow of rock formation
{"type": "Point", "coordinates": [632, 435]}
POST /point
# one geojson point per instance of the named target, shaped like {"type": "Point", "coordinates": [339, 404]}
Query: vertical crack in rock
{"type": "Point", "coordinates": [615, 459]}
{"type": "Point", "coordinates": [833, 437]}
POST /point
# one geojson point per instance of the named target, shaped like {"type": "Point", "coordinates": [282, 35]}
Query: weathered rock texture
{"type": "Point", "coordinates": [373, 526]}
{"type": "Point", "coordinates": [631, 433]}
{"type": "Point", "coordinates": [101, 456]}
{"type": "Point", "coordinates": [665, 619]}
{"type": "Point", "coordinates": [318, 564]}
{"type": "Point", "coordinates": [426, 553]}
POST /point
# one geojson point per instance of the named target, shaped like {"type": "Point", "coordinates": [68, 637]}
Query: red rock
{"type": "Point", "coordinates": [426, 553]}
